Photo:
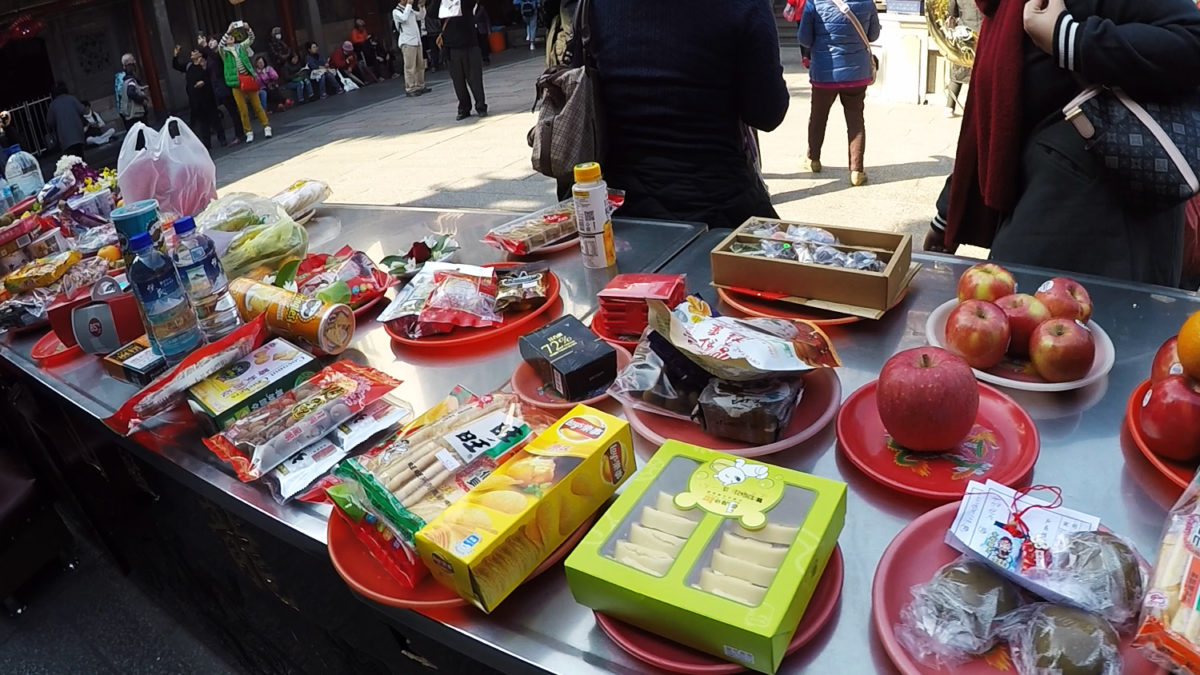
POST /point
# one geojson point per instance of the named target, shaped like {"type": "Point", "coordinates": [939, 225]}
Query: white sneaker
{"type": "Point", "coordinates": [267, 132]}
{"type": "Point", "coordinates": [947, 112]}
{"type": "Point", "coordinates": [249, 136]}
{"type": "Point", "coordinates": [531, 47]}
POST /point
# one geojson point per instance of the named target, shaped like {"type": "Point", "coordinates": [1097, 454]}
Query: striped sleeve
{"type": "Point", "coordinates": [1066, 42]}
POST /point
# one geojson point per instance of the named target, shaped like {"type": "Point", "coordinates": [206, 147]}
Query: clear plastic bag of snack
{"type": "Point", "coordinates": [1098, 571]}
{"type": "Point", "coordinates": [92, 239]}
{"type": "Point", "coordinates": [521, 288]}
{"type": "Point", "coordinates": [864, 260]}
{"type": "Point", "coordinates": [781, 250]}
{"type": "Point", "coordinates": [270, 434]}
{"type": "Point", "coordinates": [535, 230]}
{"type": "Point", "coordinates": [405, 309]}
{"type": "Point", "coordinates": [747, 248]}
{"type": "Point", "coordinates": [26, 309]}
{"type": "Point", "coordinates": [810, 234]}
{"type": "Point", "coordinates": [462, 299]}
{"type": "Point", "coordinates": [414, 475]}
{"type": "Point", "coordinates": [348, 276]}
{"type": "Point", "coordinates": [753, 412]}
{"type": "Point", "coordinates": [1049, 639]}
{"type": "Point", "coordinates": [391, 550]}
{"type": "Point", "coordinates": [265, 247]}
{"type": "Point", "coordinates": [235, 212]}
{"type": "Point", "coordinates": [828, 255]}
{"type": "Point", "coordinates": [83, 273]}
{"type": "Point", "coordinates": [302, 196]}
{"type": "Point", "coordinates": [765, 228]}
{"type": "Point", "coordinates": [1169, 633]}
{"type": "Point", "coordinates": [957, 614]}
{"type": "Point", "coordinates": [660, 379]}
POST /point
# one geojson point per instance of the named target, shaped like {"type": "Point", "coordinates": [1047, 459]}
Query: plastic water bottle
{"type": "Point", "coordinates": [204, 280]}
{"type": "Point", "coordinates": [23, 173]}
{"type": "Point", "coordinates": [170, 322]}
{"type": "Point", "coordinates": [6, 196]}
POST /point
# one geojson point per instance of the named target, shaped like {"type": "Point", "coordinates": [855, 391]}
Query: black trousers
{"type": "Point", "coordinates": [466, 71]}
{"type": "Point", "coordinates": [230, 107]}
{"type": "Point", "coordinates": [205, 121]}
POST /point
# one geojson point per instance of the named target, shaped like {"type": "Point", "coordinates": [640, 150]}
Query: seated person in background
{"type": "Point", "coordinates": [345, 62]}
{"type": "Point", "coordinates": [270, 93]}
{"type": "Point", "coordinates": [325, 81]}
{"type": "Point", "coordinates": [298, 78]}
{"type": "Point", "coordinates": [369, 52]}
{"type": "Point", "coordinates": [94, 127]}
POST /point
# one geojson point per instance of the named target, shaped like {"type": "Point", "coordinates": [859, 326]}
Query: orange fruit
{"type": "Point", "coordinates": [109, 253]}
{"type": "Point", "coordinates": [1189, 346]}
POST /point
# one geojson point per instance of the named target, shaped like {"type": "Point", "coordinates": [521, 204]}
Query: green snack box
{"type": "Point", "coordinates": [263, 375]}
{"type": "Point", "coordinates": [713, 551]}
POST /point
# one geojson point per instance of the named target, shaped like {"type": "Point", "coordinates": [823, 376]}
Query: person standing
{"type": "Point", "coordinates": [239, 76]}
{"type": "Point", "coordinates": [64, 118]}
{"type": "Point", "coordinates": [431, 30]}
{"type": "Point", "coordinates": [840, 67]}
{"type": "Point", "coordinates": [130, 95]}
{"type": "Point", "coordinates": [215, 66]}
{"type": "Point", "coordinates": [464, 60]}
{"type": "Point", "coordinates": [203, 106]}
{"type": "Point", "coordinates": [483, 26]}
{"type": "Point", "coordinates": [407, 20]}
{"type": "Point", "coordinates": [961, 16]}
{"type": "Point", "coordinates": [529, 14]}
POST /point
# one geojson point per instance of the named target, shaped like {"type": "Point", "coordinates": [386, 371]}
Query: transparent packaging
{"type": "Point", "coordinates": [1048, 639]}
{"type": "Point", "coordinates": [1099, 572]}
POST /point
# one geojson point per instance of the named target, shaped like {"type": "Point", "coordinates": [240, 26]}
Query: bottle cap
{"type": "Point", "coordinates": [184, 225]}
{"type": "Point", "coordinates": [140, 241]}
{"type": "Point", "coordinates": [588, 172]}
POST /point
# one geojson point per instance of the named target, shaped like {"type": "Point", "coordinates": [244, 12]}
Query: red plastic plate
{"type": "Point", "coordinates": [1177, 472]}
{"type": "Point", "coordinates": [530, 388]}
{"type": "Point", "coordinates": [50, 351]}
{"type": "Point", "coordinates": [818, 404]}
{"type": "Point", "coordinates": [1003, 447]}
{"type": "Point", "coordinates": [460, 337]}
{"type": "Point", "coordinates": [912, 558]}
{"type": "Point", "coordinates": [361, 312]}
{"type": "Point", "coordinates": [599, 327]}
{"type": "Point", "coordinates": [777, 309]}
{"type": "Point", "coordinates": [663, 653]}
{"type": "Point", "coordinates": [361, 572]}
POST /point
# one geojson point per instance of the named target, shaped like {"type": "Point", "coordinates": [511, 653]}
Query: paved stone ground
{"type": "Point", "coordinates": [377, 147]}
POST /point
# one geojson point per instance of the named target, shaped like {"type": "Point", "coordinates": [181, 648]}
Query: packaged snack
{"type": "Point", "coordinates": [461, 299]}
{"type": "Point", "coordinates": [536, 230]}
{"type": "Point", "coordinates": [82, 274]}
{"type": "Point", "coordinates": [413, 477]}
{"type": "Point", "coordinates": [405, 309]}
{"type": "Point", "coordinates": [521, 288]}
{"type": "Point", "coordinates": [742, 349]}
{"type": "Point", "coordinates": [957, 614]}
{"type": "Point", "coordinates": [389, 548]}
{"type": "Point", "coordinates": [264, 375]}
{"type": "Point", "coordinates": [265, 437]}
{"type": "Point", "coordinates": [302, 196]}
{"type": "Point", "coordinates": [570, 358]}
{"type": "Point", "coordinates": [381, 415]}
{"type": "Point", "coordinates": [235, 212]}
{"type": "Point", "coordinates": [1169, 633]}
{"type": "Point", "coordinates": [41, 272]}
{"type": "Point", "coordinates": [91, 240]}
{"type": "Point", "coordinates": [809, 234]}
{"type": "Point", "coordinates": [1100, 572]}
{"type": "Point", "coordinates": [135, 363]}
{"type": "Point", "coordinates": [170, 387]}
{"type": "Point", "coordinates": [485, 545]}
{"type": "Point", "coordinates": [26, 309]}
{"type": "Point", "coordinates": [754, 412]}
{"type": "Point", "coordinates": [432, 248]}
{"type": "Point", "coordinates": [327, 327]}
{"type": "Point", "coordinates": [267, 246]}
{"type": "Point", "coordinates": [1049, 639]}
{"type": "Point", "coordinates": [348, 277]}
{"type": "Point", "coordinates": [715, 552]}
{"type": "Point", "coordinates": [660, 379]}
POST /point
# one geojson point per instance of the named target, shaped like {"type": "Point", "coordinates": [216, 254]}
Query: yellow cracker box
{"type": "Point", "coordinates": [484, 545]}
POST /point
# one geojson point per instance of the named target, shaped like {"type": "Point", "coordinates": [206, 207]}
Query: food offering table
{"type": "Point", "coordinates": [540, 628]}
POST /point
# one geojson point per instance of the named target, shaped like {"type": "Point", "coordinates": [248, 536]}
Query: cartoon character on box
{"type": "Point", "coordinates": [734, 489]}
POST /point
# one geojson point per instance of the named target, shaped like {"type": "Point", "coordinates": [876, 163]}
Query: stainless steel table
{"type": "Point", "coordinates": [540, 628]}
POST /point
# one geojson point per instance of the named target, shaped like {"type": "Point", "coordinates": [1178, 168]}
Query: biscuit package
{"type": "Point", "coordinates": [484, 545]}
{"type": "Point", "coordinates": [715, 552]}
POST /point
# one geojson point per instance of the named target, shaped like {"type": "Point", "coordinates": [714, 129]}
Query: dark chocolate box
{"type": "Point", "coordinates": [570, 358]}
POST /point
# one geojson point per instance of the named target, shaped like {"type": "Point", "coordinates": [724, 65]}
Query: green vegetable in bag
{"type": "Point", "coordinates": [269, 245]}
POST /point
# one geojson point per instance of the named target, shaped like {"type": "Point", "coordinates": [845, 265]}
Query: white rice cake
{"type": "Point", "coordinates": [747, 571]}
{"type": "Point", "coordinates": [641, 558]}
{"type": "Point", "coordinates": [666, 503]}
{"type": "Point", "coordinates": [731, 588]}
{"type": "Point", "coordinates": [771, 534]}
{"type": "Point", "coordinates": [662, 542]}
{"type": "Point", "coordinates": [667, 522]}
{"type": "Point", "coordinates": [751, 550]}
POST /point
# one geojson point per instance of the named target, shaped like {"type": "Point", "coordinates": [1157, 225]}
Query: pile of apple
{"type": "Point", "coordinates": [1048, 328]}
{"type": "Point", "coordinates": [1170, 412]}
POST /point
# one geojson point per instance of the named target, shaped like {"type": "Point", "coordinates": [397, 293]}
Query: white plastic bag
{"type": "Point", "coordinates": [450, 9]}
{"type": "Point", "coordinates": [137, 172]}
{"type": "Point", "coordinates": [187, 179]}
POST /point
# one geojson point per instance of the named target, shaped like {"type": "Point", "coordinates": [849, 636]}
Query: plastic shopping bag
{"type": "Point", "coordinates": [187, 176]}
{"type": "Point", "coordinates": [137, 172]}
{"type": "Point", "coordinates": [450, 9]}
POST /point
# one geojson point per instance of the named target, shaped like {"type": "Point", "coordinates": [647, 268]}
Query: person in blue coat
{"type": "Point", "coordinates": [841, 66]}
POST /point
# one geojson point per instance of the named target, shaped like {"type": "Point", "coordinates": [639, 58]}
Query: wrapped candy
{"type": "Point", "coordinates": [1047, 639]}
{"type": "Point", "coordinates": [811, 235]}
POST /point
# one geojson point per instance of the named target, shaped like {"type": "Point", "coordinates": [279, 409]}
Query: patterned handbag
{"type": "Point", "coordinates": [1151, 151]}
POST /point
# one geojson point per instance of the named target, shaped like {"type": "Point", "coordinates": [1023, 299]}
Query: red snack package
{"type": "Point", "coordinates": [267, 436]}
{"type": "Point", "coordinates": [390, 550]}
{"type": "Point", "coordinates": [170, 387]}
{"type": "Point", "coordinates": [462, 300]}
{"type": "Point", "coordinates": [363, 280]}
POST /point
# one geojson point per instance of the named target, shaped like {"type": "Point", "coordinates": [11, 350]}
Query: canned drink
{"type": "Point", "coordinates": [325, 326]}
{"type": "Point", "coordinates": [598, 250]}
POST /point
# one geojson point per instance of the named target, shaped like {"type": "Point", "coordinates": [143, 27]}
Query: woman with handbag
{"type": "Point", "coordinates": [239, 76]}
{"type": "Point", "coordinates": [839, 33]}
{"type": "Point", "coordinates": [1025, 183]}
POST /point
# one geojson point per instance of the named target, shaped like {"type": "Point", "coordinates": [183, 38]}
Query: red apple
{"type": "Point", "coordinates": [1166, 360]}
{"type": "Point", "coordinates": [978, 331]}
{"type": "Point", "coordinates": [985, 281]}
{"type": "Point", "coordinates": [1170, 419]}
{"type": "Point", "coordinates": [1024, 313]}
{"type": "Point", "coordinates": [927, 398]}
{"type": "Point", "coordinates": [1062, 350]}
{"type": "Point", "coordinates": [1066, 299]}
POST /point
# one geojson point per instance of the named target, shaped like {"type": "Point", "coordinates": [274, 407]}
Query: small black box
{"type": "Point", "coordinates": [570, 357]}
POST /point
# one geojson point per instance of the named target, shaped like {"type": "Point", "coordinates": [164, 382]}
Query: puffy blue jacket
{"type": "Point", "coordinates": [838, 54]}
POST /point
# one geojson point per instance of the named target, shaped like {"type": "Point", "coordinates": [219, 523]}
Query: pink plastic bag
{"type": "Point", "coordinates": [187, 178]}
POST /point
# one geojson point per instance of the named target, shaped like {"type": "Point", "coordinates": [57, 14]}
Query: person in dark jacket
{"type": "Point", "coordinates": [840, 67]}
{"type": "Point", "coordinates": [130, 94]}
{"type": "Point", "coordinates": [465, 61]}
{"type": "Point", "coordinates": [483, 26]}
{"type": "Point", "coordinates": [204, 117]}
{"type": "Point", "coordinates": [280, 51]}
{"type": "Point", "coordinates": [326, 82]}
{"type": "Point", "coordinates": [679, 91]}
{"type": "Point", "coordinates": [1023, 183]}
{"type": "Point", "coordinates": [221, 92]}
{"type": "Point", "coordinates": [64, 119]}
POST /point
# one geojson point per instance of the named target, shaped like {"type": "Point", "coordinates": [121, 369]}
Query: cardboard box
{"type": "Point", "coordinates": [135, 363]}
{"type": "Point", "coordinates": [568, 356]}
{"type": "Point", "coordinates": [712, 551]}
{"type": "Point", "coordinates": [484, 545]}
{"type": "Point", "coordinates": [264, 375]}
{"type": "Point", "coordinates": [833, 288]}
